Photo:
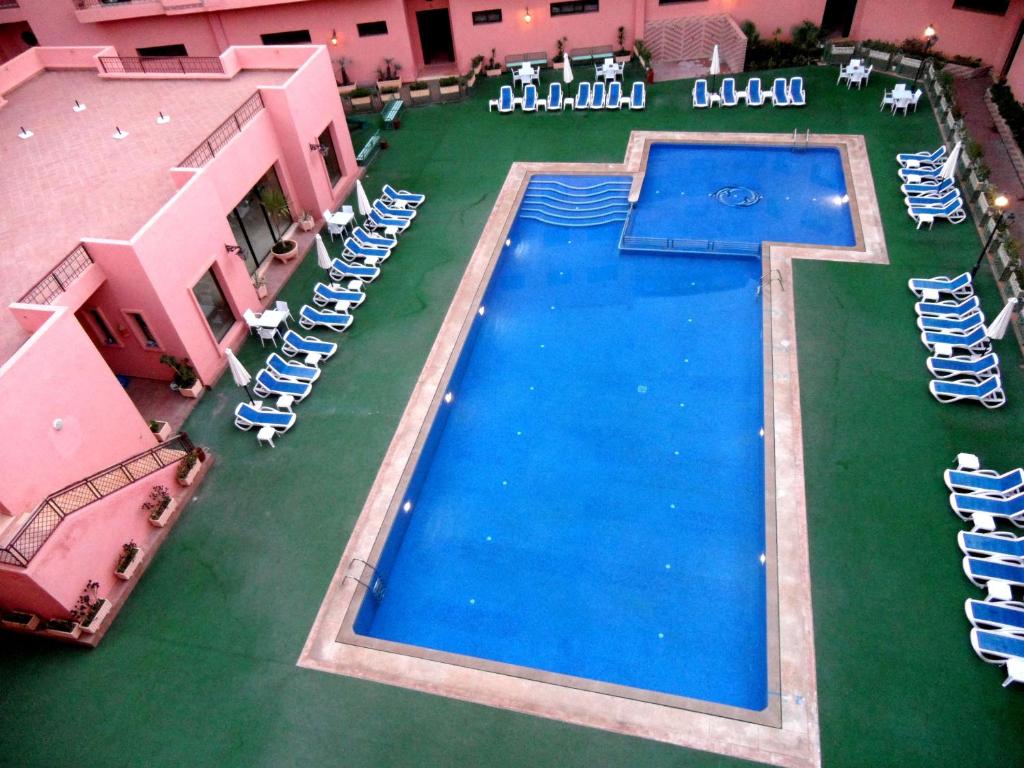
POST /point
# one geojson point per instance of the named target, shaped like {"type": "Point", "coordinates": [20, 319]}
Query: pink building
{"type": "Point", "coordinates": [129, 236]}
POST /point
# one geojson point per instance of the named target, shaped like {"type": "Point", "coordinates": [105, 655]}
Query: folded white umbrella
{"type": "Point", "coordinates": [716, 66]}
{"type": "Point", "coordinates": [238, 372]}
{"type": "Point", "coordinates": [362, 200]}
{"type": "Point", "coordinates": [997, 328]}
{"type": "Point", "coordinates": [323, 258]}
{"type": "Point", "coordinates": [949, 167]}
{"type": "Point", "coordinates": [567, 69]}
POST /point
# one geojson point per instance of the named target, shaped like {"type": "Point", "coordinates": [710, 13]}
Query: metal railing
{"type": "Point", "coordinates": [162, 65]}
{"type": "Point", "coordinates": [59, 278]}
{"type": "Point", "coordinates": [83, 4]}
{"type": "Point", "coordinates": [5, 4]}
{"type": "Point", "coordinates": [227, 130]}
{"type": "Point", "coordinates": [681, 245]}
{"type": "Point", "coordinates": [41, 524]}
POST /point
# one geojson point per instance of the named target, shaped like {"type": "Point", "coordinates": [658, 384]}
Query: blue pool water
{"type": "Point", "coordinates": [591, 501]}
{"type": "Point", "coordinates": [801, 194]}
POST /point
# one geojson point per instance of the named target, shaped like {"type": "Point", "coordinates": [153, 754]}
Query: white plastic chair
{"type": "Point", "coordinates": [915, 98]}
{"type": "Point", "coordinates": [267, 334]}
{"type": "Point", "coordinates": [888, 100]}
{"type": "Point", "coordinates": [251, 318]}
{"type": "Point", "coordinates": [282, 306]}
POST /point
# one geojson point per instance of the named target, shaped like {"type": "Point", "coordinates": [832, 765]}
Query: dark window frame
{"type": "Point", "coordinates": [575, 7]}
{"type": "Point", "coordinates": [162, 51]}
{"type": "Point", "coordinates": [372, 28]}
{"type": "Point", "coordinates": [144, 333]}
{"type": "Point", "coordinates": [288, 37]}
{"type": "Point", "coordinates": [331, 160]}
{"type": "Point", "coordinates": [101, 327]}
{"type": "Point", "coordinates": [978, 6]}
{"type": "Point", "coordinates": [487, 17]}
{"type": "Point", "coordinates": [215, 310]}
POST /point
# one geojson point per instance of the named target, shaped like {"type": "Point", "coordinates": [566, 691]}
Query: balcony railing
{"type": "Point", "coordinates": [82, 4]}
{"type": "Point", "coordinates": [162, 65]}
{"type": "Point", "coordinates": [59, 278]}
{"type": "Point", "coordinates": [227, 130]}
{"type": "Point", "coordinates": [41, 524]}
{"type": "Point", "coordinates": [5, 4]}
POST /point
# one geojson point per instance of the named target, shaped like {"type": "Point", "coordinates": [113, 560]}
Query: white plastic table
{"type": "Point", "coordinates": [271, 318]}
{"type": "Point", "coordinates": [343, 219]}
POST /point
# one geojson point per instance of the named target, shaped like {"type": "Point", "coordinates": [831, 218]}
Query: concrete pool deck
{"type": "Point", "coordinates": [787, 732]}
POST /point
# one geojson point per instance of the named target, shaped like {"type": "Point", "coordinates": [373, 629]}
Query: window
{"type": "Point", "coordinates": [997, 7]}
{"type": "Point", "coordinates": [295, 37]}
{"type": "Point", "coordinates": [100, 324]}
{"type": "Point", "coordinates": [214, 306]}
{"type": "Point", "coordinates": [255, 229]}
{"type": "Point", "coordinates": [674, 2]}
{"type": "Point", "coordinates": [143, 327]}
{"type": "Point", "coordinates": [163, 50]}
{"type": "Point", "coordinates": [371, 28]}
{"type": "Point", "coordinates": [330, 157]}
{"type": "Point", "coordinates": [487, 17]}
{"type": "Point", "coordinates": [565, 9]}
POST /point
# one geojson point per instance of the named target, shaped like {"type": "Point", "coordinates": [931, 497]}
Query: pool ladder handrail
{"type": "Point", "coordinates": [766, 281]}
{"type": "Point", "coordinates": [796, 138]}
{"type": "Point", "coordinates": [376, 587]}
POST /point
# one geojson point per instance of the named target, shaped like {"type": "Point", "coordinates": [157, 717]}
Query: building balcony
{"type": "Point", "coordinates": [96, 11]}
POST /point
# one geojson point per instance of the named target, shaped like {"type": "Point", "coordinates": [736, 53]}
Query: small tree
{"type": "Point", "coordinates": [184, 374]}
{"type": "Point", "coordinates": [622, 42]}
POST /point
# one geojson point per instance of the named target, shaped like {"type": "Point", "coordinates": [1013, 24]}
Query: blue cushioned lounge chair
{"type": "Point", "coordinates": [1006, 615]}
{"type": "Point", "coordinates": [727, 94]}
{"type": "Point", "coordinates": [959, 287]}
{"type": "Point", "coordinates": [927, 188]}
{"type": "Point", "coordinates": [985, 482]}
{"type": "Point", "coordinates": [248, 416]}
{"type": "Point", "coordinates": [1011, 508]}
{"type": "Point", "coordinates": [310, 317]}
{"type": "Point", "coordinates": [597, 95]}
{"type": "Point", "coordinates": [367, 240]}
{"type": "Point", "coordinates": [355, 251]}
{"type": "Point", "coordinates": [324, 295]}
{"type": "Point", "coordinates": [376, 221]}
{"type": "Point", "coordinates": [983, 569]}
{"type": "Point", "coordinates": [921, 201]}
{"type": "Point", "coordinates": [393, 213]}
{"type": "Point", "coordinates": [638, 95]}
{"type": "Point", "coordinates": [975, 342]}
{"type": "Point", "coordinates": [1000, 648]}
{"type": "Point", "coordinates": [989, 392]}
{"type": "Point", "coordinates": [797, 94]}
{"type": "Point", "coordinates": [554, 101]}
{"type": "Point", "coordinates": [922, 174]}
{"type": "Point", "coordinates": [780, 95]}
{"type": "Point", "coordinates": [963, 367]}
{"type": "Point", "coordinates": [927, 158]}
{"type": "Point", "coordinates": [291, 370]}
{"type": "Point", "coordinates": [1001, 544]}
{"type": "Point", "coordinates": [700, 94]}
{"type": "Point", "coordinates": [505, 101]}
{"type": "Point", "coordinates": [754, 95]}
{"type": "Point", "coordinates": [401, 197]}
{"type": "Point", "coordinates": [582, 98]}
{"type": "Point", "coordinates": [296, 344]}
{"type": "Point", "coordinates": [957, 324]}
{"type": "Point", "coordinates": [341, 269]}
{"type": "Point", "coordinates": [267, 384]}
{"type": "Point", "coordinates": [947, 308]}
{"type": "Point", "coordinates": [529, 100]}
{"type": "Point", "coordinates": [953, 212]}
{"type": "Point", "coordinates": [614, 100]}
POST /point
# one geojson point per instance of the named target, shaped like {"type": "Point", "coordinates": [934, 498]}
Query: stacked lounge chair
{"type": "Point", "coordinates": [592, 96]}
{"type": "Point", "coordinates": [927, 193]}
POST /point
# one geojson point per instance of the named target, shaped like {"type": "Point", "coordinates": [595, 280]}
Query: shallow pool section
{"type": "Point", "coordinates": [589, 500]}
{"type": "Point", "coordinates": [745, 194]}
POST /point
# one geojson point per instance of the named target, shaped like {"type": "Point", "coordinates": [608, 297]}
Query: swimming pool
{"type": "Point", "coordinates": [588, 502]}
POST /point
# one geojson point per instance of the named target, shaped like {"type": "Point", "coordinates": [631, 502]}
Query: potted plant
{"type": "Point", "coordinates": [26, 622]}
{"type": "Point", "coordinates": [91, 609]}
{"type": "Point", "coordinates": [450, 85]}
{"type": "Point", "coordinates": [160, 506]}
{"type": "Point", "coordinates": [389, 93]}
{"type": "Point", "coordinates": [345, 84]}
{"type": "Point", "coordinates": [621, 54]}
{"type": "Point", "coordinates": [419, 90]}
{"type": "Point", "coordinates": [189, 466]}
{"type": "Point", "coordinates": [493, 68]}
{"type": "Point", "coordinates": [306, 221]}
{"type": "Point", "coordinates": [361, 97]}
{"type": "Point", "coordinates": [129, 561]}
{"type": "Point", "coordinates": [63, 628]}
{"type": "Point", "coordinates": [470, 78]}
{"type": "Point", "coordinates": [259, 283]}
{"type": "Point", "coordinates": [387, 76]}
{"type": "Point", "coordinates": [477, 63]}
{"type": "Point", "coordinates": [277, 207]}
{"type": "Point", "coordinates": [186, 379]}
{"type": "Point", "coordinates": [161, 429]}
{"type": "Point", "coordinates": [558, 61]}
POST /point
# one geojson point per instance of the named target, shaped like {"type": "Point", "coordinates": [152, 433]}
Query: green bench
{"type": "Point", "coordinates": [369, 150]}
{"type": "Point", "coordinates": [390, 112]}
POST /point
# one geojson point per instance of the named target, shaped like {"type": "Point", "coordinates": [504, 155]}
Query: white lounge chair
{"type": "Point", "coordinates": [505, 103]}
{"type": "Point", "coordinates": [754, 96]}
{"type": "Point", "coordinates": [295, 344]}
{"type": "Point", "coordinates": [985, 482]}
{"type": "Point", "coordinates": [989, 392]}
{"type": "Point", "coordinates": [700, 94]}
{"type": "Point", "coordinates": [1003, 648]}
{"type": "Point", "coordinates": [638, 95]}
{"type": "Point", "coordinates": [310, 317]}
{"type": "Point", "coordinates": [959, 287]}
{"type": "Point", "coordinates": [248, 416]}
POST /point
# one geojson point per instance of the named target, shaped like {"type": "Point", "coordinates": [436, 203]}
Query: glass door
{"type": "Point", "coordinates": [255, 228]}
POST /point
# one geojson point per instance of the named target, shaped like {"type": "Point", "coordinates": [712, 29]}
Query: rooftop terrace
{"type": "Point", "coordinates": [72, 179]}
{"type": "Point", "coordinates": [200, 668]}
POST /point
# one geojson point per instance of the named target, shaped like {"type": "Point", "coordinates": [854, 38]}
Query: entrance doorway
{"type": "Point", "coordinates": [435, 28]}
{"type": "Point", "coordinates": [838, 17]}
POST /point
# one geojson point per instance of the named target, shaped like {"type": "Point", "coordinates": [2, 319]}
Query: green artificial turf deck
{"type": "Point", "coordinates": [200, 666]}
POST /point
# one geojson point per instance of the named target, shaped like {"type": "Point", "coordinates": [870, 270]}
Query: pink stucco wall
{"type": "Point", "coordinates": [58, 374]}
{"type": "Point", "coordinates": [767, 17]}
{"type": "Point", "coordinates": [968, 33]}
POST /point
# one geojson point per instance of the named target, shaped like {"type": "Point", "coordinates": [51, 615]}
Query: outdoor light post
{"type": "Point", "coordinates": [929, 37]}
{"type": "Point", "coordinates": [1000, 202]}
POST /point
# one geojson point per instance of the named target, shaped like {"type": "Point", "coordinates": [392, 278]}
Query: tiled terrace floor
{"type": "Point", "coordinates": [200, 668]}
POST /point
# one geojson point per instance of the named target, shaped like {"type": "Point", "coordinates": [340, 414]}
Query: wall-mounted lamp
{"type": "Point", "coordinates": [334, 37]}
{"type": "Point", "coordinates": [527, 17]}
{"type": "Point", "coordinates": [232, 248]}
{"type": "Point", "coordinates": [318, 147]}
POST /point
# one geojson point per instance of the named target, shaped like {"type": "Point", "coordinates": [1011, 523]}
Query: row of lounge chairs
{"type": "Point", "coordinates": [783, 93]}
{"type": "Point", "coordinates": [928, 193]}
{"type": "Point", "coordinates": [953, 328]}
{"type": "Point", "coordinates": [588, 96]}
{"type": "Point", "coordinates": [362, 253]}
{"type": "Point", "coordinates": [993, 559]}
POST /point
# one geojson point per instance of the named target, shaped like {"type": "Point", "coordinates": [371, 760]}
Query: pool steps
{"type": "Point", "coordinates": [576, 205]}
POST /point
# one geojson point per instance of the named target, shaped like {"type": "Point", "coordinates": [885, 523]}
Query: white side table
{"type": "Point", "coordinates": [313, 358]}
{"type": "Point", "coordinates": [999, 590]}
{"type": "Point", "coordinates": [266, 435]}
{"type": "Point", "coordinates": [1014, 671]}
{"type": "Point", "coordinates": [984, 523]}
{"type": "Point", "coordinates": [284, 403]}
